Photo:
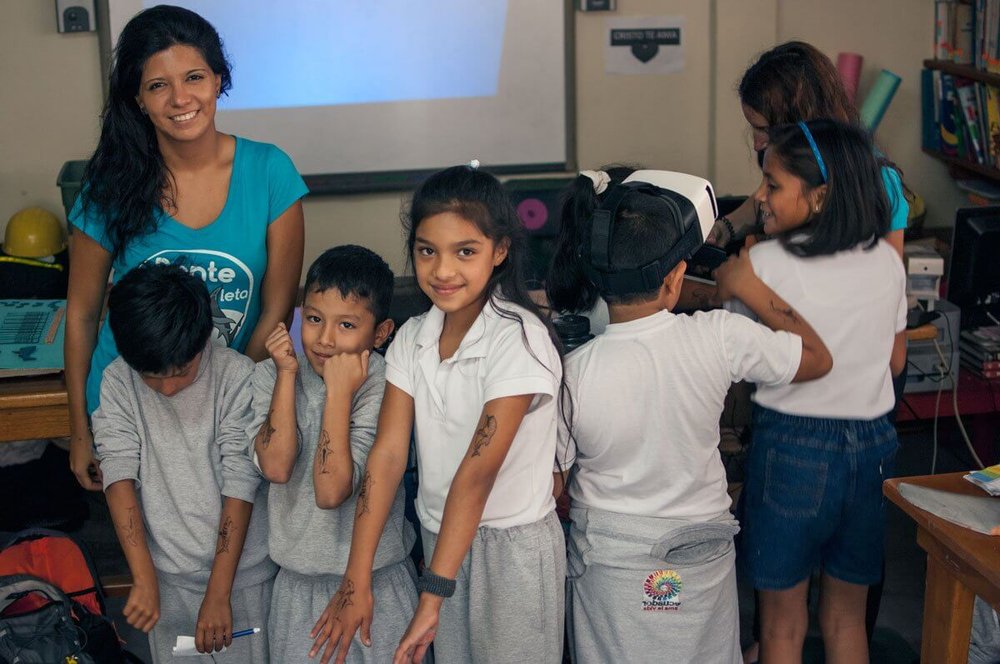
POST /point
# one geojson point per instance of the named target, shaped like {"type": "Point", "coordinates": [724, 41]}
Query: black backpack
{"type": "Point", "coordinates": [46, 575]}
{"type": "Point", "coordinates": [37, 625]}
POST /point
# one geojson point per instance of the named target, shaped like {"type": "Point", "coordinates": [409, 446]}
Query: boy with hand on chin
{"type": "Point", "coordinates": [314, 423]}
{"type": "Point", "coordinates": [171, 437]}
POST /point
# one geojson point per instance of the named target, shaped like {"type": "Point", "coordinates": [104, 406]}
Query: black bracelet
{"type": "Point", "coordinates": [429, 582]}
{"type": "Point", "coordinates": [729, 227]}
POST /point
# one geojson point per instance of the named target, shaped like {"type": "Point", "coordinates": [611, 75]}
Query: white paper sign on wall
{"type": "Point", "coordinates": [645, 45]}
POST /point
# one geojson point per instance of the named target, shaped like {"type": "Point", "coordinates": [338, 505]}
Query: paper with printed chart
{"type": "Point", "coordinates": [31, 337]}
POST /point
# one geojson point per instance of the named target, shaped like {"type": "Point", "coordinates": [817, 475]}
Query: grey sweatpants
{"type": "Point", "coordinates": [179, 615]}
{"type": "Point", "coordinates": [644, 589]}
{"type": "Point", "coordinates": [508, 605]}
{"type": "Point", "coordinates": [984, 642]}
{"type": "Point", "coordinates": [298, 601]}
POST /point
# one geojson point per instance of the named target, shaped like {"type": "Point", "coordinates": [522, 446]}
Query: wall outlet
{"type": "Point", "coordinates": [75, 16]}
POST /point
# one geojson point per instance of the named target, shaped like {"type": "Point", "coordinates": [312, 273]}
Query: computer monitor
{"type": "Point", "coordinates": [974, 274]}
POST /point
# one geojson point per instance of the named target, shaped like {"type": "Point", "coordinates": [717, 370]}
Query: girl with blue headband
{"type": "Point", "coordinates": [822, 449]}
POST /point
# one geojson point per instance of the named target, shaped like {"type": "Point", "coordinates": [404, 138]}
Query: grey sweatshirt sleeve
{"type": "Point", "coordinates": [116, 432]}
{"type": "Point", "coordinates": [240, 477]}
{"type": "Point", "coordinates": [364, 416]}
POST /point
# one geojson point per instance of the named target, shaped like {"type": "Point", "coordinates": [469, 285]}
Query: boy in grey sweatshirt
{"type": "Point", "coordinates": [314, 423]}
{"type": "Point", "coordinates": [171, 438]}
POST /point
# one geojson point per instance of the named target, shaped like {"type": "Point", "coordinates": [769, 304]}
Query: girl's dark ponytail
{"type": "Point", "coordinates": [567, 287]}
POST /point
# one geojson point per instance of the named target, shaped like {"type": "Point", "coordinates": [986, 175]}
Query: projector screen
{"type": "Point", "coordinates": [370, 95]}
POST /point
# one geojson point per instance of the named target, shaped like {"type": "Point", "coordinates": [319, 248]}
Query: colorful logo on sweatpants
{"type": "Point", "coordinates": [662, 589]}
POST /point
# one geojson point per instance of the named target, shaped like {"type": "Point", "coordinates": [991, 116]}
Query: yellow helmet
{"type": "Point", "coordinates": [33, 233]}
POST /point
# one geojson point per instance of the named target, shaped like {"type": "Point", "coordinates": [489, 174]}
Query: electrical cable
{"type": "Point", "coordinates": [954, 403]}
{"type": "Point", "coordinates": [937, 412]}
{"type": "Point", "coordinates": [906, 403]}
{"type": "Point", "coordinates": [944, 370]}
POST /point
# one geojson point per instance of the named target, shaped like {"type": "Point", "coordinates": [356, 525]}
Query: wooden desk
{"type": "Point", "coordinates": [37, 407]}
{"type": "Point", "coordinates": [960, 565]}
{"type": "Point", "coordinates": [33, 407]}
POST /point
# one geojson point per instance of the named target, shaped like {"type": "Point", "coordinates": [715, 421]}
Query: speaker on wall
{"type": "Point", "coordinates": [537, 202]}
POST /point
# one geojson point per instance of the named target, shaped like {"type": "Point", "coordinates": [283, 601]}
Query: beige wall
{"type": "Point", "coordinates": [51, 97]}
{"type": "Point", "coordinates": [894, 35]}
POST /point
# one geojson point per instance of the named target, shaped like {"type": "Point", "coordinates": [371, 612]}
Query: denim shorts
{"type": "Point", "coordinates": [814, 498]}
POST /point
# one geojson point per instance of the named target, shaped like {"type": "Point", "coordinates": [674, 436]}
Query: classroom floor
{"type": "Point", "coordinates": [897, 637]}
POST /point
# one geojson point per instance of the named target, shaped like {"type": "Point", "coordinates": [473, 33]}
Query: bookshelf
{"type": "Point", "coordinates": [965, 165]}
{"type": "Point", "coordinates": [960, 166]}
{"type": "Point", "coordinates": [964, 71]}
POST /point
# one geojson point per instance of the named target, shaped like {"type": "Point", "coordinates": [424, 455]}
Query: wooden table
{"type": "Point", "coordinates": [33, 407]}
{"type": "Point", "coordinates": [960, 565]}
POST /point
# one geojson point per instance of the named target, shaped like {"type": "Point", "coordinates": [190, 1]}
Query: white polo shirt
{"type": "Point", "coordinates": [856, 301]}
{"type": "Point", "coordinates": [647, 397]}
{"type": "Point", "coordinates": [492, 361]}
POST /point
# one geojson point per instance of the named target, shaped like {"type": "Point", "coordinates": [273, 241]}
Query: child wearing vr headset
{"type": "Point", "coordinates": [651, 527]}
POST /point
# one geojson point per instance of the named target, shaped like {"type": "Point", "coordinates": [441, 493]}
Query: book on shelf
{"type": "Point", "coordinates": [991, 36]}
{"type": "Point", "coordinates": [963, 35]}
{"type": "Point", "coordinates": [930, 115]}
{"type": "Point", "coordinates": [975, 352]}
{"type": "Point", "coordinates": [982, 122]}
{"type": "Point", "coordinates": [949, 131]}
{"type": "Point", "coordinates": [983, 366]}
{"type": "Point", "coordinates": [943, 34]}
{"type": "Point", "coordinates": [967, 32]}
{"type": "Point", "coordinates": [960, 118]}
{"type": "Point", "coordinates": [987, 335]}
{"type": "Point", "coordinates": [970, 116]}
{"type": "Point", "coordinates": [979, 369]}
{"type": "Point", "coordinates": [985, 338]}
{"type": "Point", "coordinates": [993, 123]}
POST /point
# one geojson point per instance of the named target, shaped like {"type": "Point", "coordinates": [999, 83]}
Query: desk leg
{"type": "Point", "coordinates": [947, 616]}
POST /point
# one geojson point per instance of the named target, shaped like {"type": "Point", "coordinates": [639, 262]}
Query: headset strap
{"type": "Point", "coordinates": [595, 253]}
{"type": "Point", "coordinates": [601, 224]}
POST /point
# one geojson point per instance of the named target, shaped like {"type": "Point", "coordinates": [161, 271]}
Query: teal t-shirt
{"type": "Point", "coordinates": [230, 254]}
{"type": "Point", "coordinates": [897, 202]}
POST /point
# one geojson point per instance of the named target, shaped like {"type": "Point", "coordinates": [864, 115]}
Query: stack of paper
{"type": "Point", "coordinates": [978, 513]}
{"type": "Point", "coordinates": [987, 479]}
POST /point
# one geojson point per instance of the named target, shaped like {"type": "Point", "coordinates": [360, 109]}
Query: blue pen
{"type": "Point", "coordinates": [246, 632]}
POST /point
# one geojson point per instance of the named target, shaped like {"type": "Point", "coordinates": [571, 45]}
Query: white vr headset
{"type": "Point", "coordinates": [693, 210]}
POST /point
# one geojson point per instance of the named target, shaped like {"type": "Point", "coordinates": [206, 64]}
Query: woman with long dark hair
{"type": "Point", "coordinates": [791, 82]}
{"type": "Point", "coordinates": [165, 186]}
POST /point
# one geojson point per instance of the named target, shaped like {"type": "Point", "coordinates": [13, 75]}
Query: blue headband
{"type": "Point", "coordinates": [815, 148]}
